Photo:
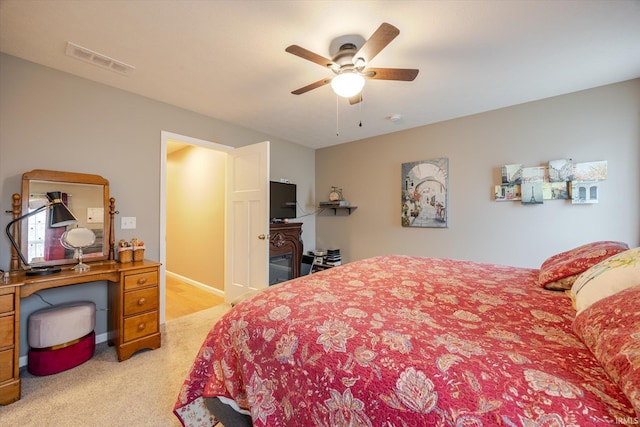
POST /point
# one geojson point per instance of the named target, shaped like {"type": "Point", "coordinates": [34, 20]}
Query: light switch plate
{"type": "Point", "coordinates": [128, 222]}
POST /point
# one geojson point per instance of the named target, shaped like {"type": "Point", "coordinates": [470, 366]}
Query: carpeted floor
{"type": "Point", "coordinates": [102, 392]}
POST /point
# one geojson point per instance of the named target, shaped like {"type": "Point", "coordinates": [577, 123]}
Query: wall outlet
{"type": "Point", "coordinates": [128, 222]}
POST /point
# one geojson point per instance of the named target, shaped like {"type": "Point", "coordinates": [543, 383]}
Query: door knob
{"type": "Point", "coordinates": [263, 236]}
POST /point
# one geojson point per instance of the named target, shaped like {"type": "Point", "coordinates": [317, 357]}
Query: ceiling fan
{"type": "Point", "coordinates": [350, 65]}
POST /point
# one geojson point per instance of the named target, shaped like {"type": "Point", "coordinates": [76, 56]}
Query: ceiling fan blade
{"type": "Point", "coordinates": [404, 74]}
{"type": "Point", "coordinates": [309, 56]}
{"type": "Point", "coordinates": [312, 86]}
{"type": "Point", "coordinates": [378, 41]}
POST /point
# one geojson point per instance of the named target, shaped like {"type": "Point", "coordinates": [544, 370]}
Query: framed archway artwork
{"type": "Point", "coordinates": [425, 186]}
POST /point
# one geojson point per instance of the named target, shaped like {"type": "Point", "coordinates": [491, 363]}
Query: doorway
{"type": "Point", "coordinates": [191, 201]}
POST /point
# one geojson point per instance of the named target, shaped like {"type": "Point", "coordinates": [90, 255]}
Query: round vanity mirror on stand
{"type": "Point", "coordinates": [78, 239]}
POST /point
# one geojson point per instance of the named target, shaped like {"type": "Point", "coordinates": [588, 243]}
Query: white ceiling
{"type": "Point", "coordinates": [227, 59]}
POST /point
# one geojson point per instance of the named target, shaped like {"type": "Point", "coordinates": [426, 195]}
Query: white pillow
{"type": "Point", "coordinates": [606, 278]}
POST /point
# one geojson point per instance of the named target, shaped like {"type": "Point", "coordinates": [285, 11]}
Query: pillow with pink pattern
{"type": "Point", "coordinates": [610, 328]}
{"type": "Point", "coordinates": [561, 270]}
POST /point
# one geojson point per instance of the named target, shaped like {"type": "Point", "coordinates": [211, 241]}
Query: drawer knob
{"type": "Point", "coordinates": [142, 281]}
{"type": "Point", "coordinates": [141, 326]}
{"type": "Point", "coordinates": [142, 301]}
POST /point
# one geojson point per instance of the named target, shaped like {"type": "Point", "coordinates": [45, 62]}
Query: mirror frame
{"type": "Point", "coordinates": [66, 178]}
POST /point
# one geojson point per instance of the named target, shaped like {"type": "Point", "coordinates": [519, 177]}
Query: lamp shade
{"type": "Point", "coordinates": [347, 84]}
{"type": "Point", "coordinates": [60, 216]}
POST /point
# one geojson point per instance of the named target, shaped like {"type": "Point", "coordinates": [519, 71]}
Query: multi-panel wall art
{"type": "Point", "coordinates": [560, 179]}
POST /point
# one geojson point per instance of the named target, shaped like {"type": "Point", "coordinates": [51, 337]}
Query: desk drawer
{"type": "Point", "coordinates": [140, 301]}
{"type": "Point", "coordinates": [6, 331]}
{"type": "Point", "coordinates": [140, 326]}
{"type": "Point", "coordinates": [6, 365]}
{"type": "Point", "coordinates": [140, 280]}
{"type": "Point", "coordinates": [6, 303]}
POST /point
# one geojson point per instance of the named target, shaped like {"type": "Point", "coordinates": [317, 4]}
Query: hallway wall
{"type": "Point", "coordinates": [195, 215]}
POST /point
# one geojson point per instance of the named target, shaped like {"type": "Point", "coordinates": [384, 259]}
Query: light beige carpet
{"type": "Point", "coordinates": [103, 392]}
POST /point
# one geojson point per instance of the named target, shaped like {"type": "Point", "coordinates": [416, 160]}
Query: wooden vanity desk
{"type": "Point", "coordinates": [133, 287]}
{"type": "Point", "coordinates": [133, 311]}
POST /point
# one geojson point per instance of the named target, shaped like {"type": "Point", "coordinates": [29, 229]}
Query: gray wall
{"type": "Point", "coordinates": [53, 120]}
{"type": "Point", "coordinates": [596, 124]}
{"type": "Point", "coordinates": [297, 164]}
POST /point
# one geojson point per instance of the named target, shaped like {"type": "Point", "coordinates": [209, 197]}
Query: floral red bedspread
{"type": "Point", "coordinates": [404, 341]}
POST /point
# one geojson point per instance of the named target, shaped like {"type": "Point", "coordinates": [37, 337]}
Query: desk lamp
{"type": "Point", "coordinates": [60, 216]}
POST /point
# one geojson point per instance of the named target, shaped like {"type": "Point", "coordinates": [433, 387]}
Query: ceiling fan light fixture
{"type": "Point", "coordinates": [347, 84]}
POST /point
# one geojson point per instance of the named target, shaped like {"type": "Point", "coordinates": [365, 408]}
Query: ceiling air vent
{"type": "Point", "coordinates": [95, 58]}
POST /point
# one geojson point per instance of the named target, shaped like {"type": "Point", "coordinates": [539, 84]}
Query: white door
{"type": "Point", "coordinates": [247, 221]}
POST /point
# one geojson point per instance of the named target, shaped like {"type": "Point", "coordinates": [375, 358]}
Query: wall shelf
{"type": "Point", "coordinates": [335, 209]}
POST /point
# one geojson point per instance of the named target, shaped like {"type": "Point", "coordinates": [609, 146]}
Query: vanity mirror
{"type": "Point", "coordinates": [86, 196]}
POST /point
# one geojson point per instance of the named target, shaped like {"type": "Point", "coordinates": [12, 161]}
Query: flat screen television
{"type": "Point", "coordinates": [283, 200]}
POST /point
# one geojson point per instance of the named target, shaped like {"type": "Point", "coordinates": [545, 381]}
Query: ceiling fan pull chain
{"type": "Point", "coordinates": [360, 109]}
{"type": "Point", "coordinates": [337, 116]}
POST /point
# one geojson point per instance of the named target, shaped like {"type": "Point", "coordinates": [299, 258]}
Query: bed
{"type": "Point", "coordinates": [410, 341]}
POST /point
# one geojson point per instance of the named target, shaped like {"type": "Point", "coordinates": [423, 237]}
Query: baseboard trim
{"type": "Point", "coordinates": [195, 283]}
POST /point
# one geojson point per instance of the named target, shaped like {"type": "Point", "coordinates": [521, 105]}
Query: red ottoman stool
{"type": "Point", "coordinates": [61, 337]}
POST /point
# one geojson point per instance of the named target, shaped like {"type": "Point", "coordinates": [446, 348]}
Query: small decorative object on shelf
{"type": "Point", "coordinates": [336, 199]}
{"type": "Point", "coordinates": [336, 194]}
{"type": "Point", "coordinates": [138, 249]}
{"type": "Point", "coordinates": [131, 251]}
{"type": "Point", "coordinates": [125, 251]}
